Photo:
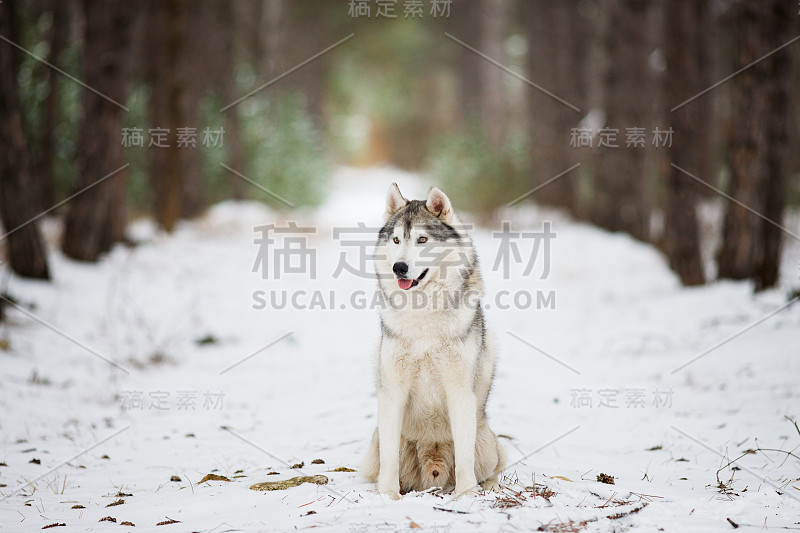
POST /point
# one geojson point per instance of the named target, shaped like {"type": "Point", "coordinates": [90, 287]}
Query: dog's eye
{"type": "Point", "coordinates": [422, 240]}
{"type": "Point", "coordinates": [396, 240]}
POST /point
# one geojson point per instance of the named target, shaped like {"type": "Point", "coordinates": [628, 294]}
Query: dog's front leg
{"type": "Point", "coordinates": [462, 407]}
{"type": "Point", "coordinates": [391, 405]}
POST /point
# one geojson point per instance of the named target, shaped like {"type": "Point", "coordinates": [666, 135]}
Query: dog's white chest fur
{"type": "Point", "coordinates": [424, 372]}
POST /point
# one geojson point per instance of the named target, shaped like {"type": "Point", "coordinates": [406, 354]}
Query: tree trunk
{"type": "Point", "coordinates": [704, 125]}
{"type": "Point", "coordinates": [233, 140]}
{"type": "Point", "coordinates": [97, 217]}
{"type": "Point", "coordinates": [556, 51]}
{"type": "Point", "coordinates": [621, 201]}
{"type": "Point", "coordinates": [494, 30]}
{"type": "Point", "coordinates": [466, 19]}
{"type": "Point", "coordinates": [780, 95]}
{"type": "Point", "coordinates": [168, 107]}
{"type": "Point", "coordinates": [172, 199]}
{"type": "Point", "coordinates": [44, 170]}
{"type": "Point", "coordinates": [25, 249]}
{"type": "Point", "coordinates": [202, 51]}
{"type": "Point", "coordinates": [758, 143]}
{"type": "Point", "coordinates": [274, 34]}
{"type": "Point", "coordinates": [681, 238]}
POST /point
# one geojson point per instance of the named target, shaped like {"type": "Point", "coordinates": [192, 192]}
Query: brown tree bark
{"type": "Point", "coordinates": [201, 63]}
{"type": "Point", "coordinates": [275, 45]}
{"type": "Point", "coordinates": [494, 30]}
{"type": "Point", "coordinates": [681, 237]}
{"type": "Point", "coordinates": [556, 53]}
{"type": "Point", "coordinates": [758, 145]}
{"type": "Point", "coordinates": [169, 107]}
{"type": "Point", "coordinates": [156, 69]}
{"type": "Point", "coordinates": [705, 125]}
{"type": "Point", "coordinates": [621, 201]}
{"type": "Point", "coordinates": [781, 97]}
{"type": "Point", "coordinates": [97, 217]}
{"type": "Point", "coordinates": [44, 170]}
{"type": "Point", "coordinates": [171, 200]}
{"type": "Point", "coordinates": [465, 18]}
{"type": "Point", "coordinates": [25, 248]}
{"type": "Point", "coordinates": [233, 140]}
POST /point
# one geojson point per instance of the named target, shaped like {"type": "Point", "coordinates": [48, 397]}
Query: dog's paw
{"type": "Point", "coordinates": [471, 492]}
{"type": "Point", "coordinates": [392, 495]}
{"type": "Point", "coordinates": [392, 490]}
{"type": "Point", "coordinates": [491, 485]}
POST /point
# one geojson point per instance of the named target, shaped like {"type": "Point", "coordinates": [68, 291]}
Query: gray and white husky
{"type": "Point", "coordinates": [436, 359]}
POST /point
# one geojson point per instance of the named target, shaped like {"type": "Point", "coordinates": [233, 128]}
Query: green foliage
{"type": "Point", "coordinates": [284, 150]}
{"type": "Point", "coordinates": [387, 92]}
{"type": "Point", "coordinates": [477, 176]}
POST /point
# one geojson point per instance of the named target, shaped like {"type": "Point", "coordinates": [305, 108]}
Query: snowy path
{"type": "Point", "coordinates": [620, 328]}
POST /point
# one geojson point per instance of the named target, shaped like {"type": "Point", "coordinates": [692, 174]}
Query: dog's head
{"type": "Point", "coordinates": [421, 241]}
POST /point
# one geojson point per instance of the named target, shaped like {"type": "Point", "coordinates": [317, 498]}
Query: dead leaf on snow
{"type": "Point", "coordinates": [213, 477]}
{"type": "Point", "coordinates": [288, 483]}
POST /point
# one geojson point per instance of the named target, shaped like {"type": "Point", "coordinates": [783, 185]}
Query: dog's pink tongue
{"type": "Point", "coordinates": [404, 283]}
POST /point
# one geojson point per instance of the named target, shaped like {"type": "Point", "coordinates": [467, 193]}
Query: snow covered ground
{"type": "Point", "coordinates": [196, 386]}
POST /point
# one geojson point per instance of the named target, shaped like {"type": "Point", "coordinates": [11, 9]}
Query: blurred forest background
{"type": "Point", "coordinates": [491, 98]}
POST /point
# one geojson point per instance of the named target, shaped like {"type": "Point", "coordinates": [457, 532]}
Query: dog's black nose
{"type": "Point", "coordinates": [400, 268]}
{"type": "Point", "coordinates": [435, 473]}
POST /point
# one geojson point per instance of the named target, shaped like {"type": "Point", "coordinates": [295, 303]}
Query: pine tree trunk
{"type": "Point", "coordinates": [782, 112]}
{"type": "Point", "coordinates": [758, 143]}
{"type": "Point", "coordinates": [44, 169]}
{"type": "Point", "coordinates": [274, 35]}
{"type": "Point", "coordinates": [233, 140]}
{"type": "Point", "coordinates": [494, 30]}
{"type": "Point", "coordinates": [25, 248]}
{"type": "Point", "coordinates": [171, 201]}
{"type": "Point", "coordinates": [705, 126]}
{"type": "Point", "coordinates": [681, 238]}
{"type": "Point", "coordinates": [96, 217]}
{"type": "Point", "coordinates": [556, 52]}
{"type": "Point", "coordinates": [466, 18]}
{"type": "Point", "coordinates": [621, 201]}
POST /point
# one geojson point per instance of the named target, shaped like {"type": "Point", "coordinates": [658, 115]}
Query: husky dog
{"type": "Point", "coordinates": [436, 360]}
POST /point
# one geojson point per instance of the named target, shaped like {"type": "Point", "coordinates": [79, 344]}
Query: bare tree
{"type": "Point", "coordinates": [758, 145]}
{"type": "Point", "coordinates": [274, 32]}
{"type": "Point", "coordinates": [621, 191]}
{"type": "Point", "coordinates": [494, 30]}
{"type": "Point", "coordinates": [235, 149]}
{"type": "Point", "coordinates": [26, 252]}
{"type": "Point", "coordinates": [97, 216]}
{"type": "Point", "coordinates": [705, 124]}
{"type": "Point", "coordinates": [167, 75]}
{"type": "Point", "coordinates": [465, 23]}
{"type": "Point", "coordinates": [681, 238]}
{"type": "Point", "coordinates": [556, 61]}
{"type": "Point", "coordinates": [44, 169]}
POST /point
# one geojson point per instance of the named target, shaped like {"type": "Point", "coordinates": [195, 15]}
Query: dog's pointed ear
{"type": "Point", "coordinates": [394, 201]}
{"type": "Point", "coordinates": [439, 205]}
